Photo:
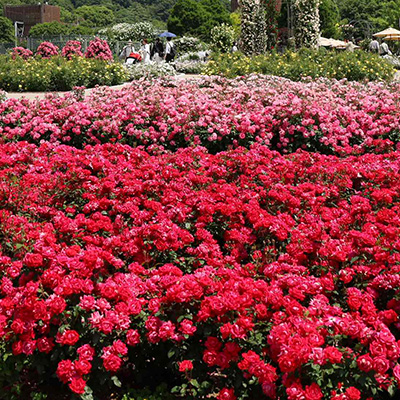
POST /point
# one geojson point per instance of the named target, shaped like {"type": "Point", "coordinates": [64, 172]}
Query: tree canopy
{"type": "Point", "coordinates": [6, 30]}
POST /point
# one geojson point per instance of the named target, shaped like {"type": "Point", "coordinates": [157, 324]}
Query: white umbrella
{"type": "Point", "coordinates": [392, 37]}
{"type": "Point", "coordinates": [390, 32]}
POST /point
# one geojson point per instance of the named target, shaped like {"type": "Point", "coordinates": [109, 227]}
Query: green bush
{"type": "Point", "coordinates": [357, 66]}
{"type": "Point", "coordinates": [57, 74]}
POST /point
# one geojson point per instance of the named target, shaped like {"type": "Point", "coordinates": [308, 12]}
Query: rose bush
{"type": "Point", "coordinates": [326, 116]}
{"type": "Point", "coordinates": [245, 273]}
{"type": "Point", "coordinates": [47, 50]}
{"type": "Point", "coordinates": [99, 49]}
{"type": "Point", "coordinates": [72, 48]}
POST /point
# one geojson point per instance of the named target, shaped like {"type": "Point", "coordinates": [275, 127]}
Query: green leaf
{"type": "Point", "coordinates": [116, 381]}
{"type": "Point", "coordinates": [194, 383]}
{"type": "Point", "coordinates": [171, 353]}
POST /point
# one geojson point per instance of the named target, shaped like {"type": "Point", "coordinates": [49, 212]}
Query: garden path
{"type": "Point", "coordinates": [41, 95]}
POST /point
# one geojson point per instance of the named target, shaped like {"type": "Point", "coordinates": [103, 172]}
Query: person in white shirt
{"type": "Point", "coordinates": [169, 50]}
{"type": "Point", "coordinates": [384, 49]}
{"type": "Point", "coordinates": [374, 46]}
{"type": "Point", "coordinates": [145, 52]}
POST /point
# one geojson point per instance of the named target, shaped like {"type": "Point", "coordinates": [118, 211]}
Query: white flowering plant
{"type": "Point", "coordinates": [307, 26]}
{"type": "Point", "coordinates": [136, 32]}
{"type": "Point", "coordinates": [149, 71]}
{"type": "Point", "coordinates": [222, 38]}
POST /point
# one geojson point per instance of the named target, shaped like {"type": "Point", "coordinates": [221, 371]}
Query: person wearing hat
{"type": "Point", "coordinates": [127, 51]}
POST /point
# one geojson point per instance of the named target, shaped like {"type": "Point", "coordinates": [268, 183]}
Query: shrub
{"type": "Point", "coordinates": [72, 48]}
{"type": "Point", "coordinates": [188, 44]}
{"type": "Point", "coordinates": [99, 49]}
{"type": "Point", "coordinates": [148, 71]}
{"type": "Point", "coordinates": [57, 73]}
{"type": "Point", "coordinates": [222, 38]}
{"type": "Point", "coordinates": [47, 50]}
{"type": "Point", "coordinates": [21, 52]}
{"type": "Point", "coordinates": [358, 66]}
{"type": "Point", "coordinates": [136, 32]}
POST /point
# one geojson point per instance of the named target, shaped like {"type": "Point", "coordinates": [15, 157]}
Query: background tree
{"type": "Point", "coordinates": [48, 29]}
{"type": "Point", "coordinates": [6, 30]}
{"type": "Point", "coordinates": [187, 17]}
{"type": "Point", "coordinates": [95, 16]}
{"type": "Point", "coordinates": [329, 19]}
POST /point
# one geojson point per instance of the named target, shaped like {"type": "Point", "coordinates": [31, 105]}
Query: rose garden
{"type": "Point", "coordinates": [234, 236]}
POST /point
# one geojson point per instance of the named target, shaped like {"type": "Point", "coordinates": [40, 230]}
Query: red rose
{"type": "Point", "coordinates": [45, 345]}
{"type": "Point", "coordinates": [86, 352]}
{"type": "Point", "coordinates": [112, 363]}
{"type": "Point", "coordinates": [77, 385]}
{"type": "Point", "coordinates": [396, 373]}
{"type": "Point", "coordinates": [33, 260]}
{"type": "Point", "coordinates": [132, 337]}
{"type": "Point", "coordinates": [365, 363]}
{"type": "Point", "coordinates": [68, 337]}
{"type": "Point", "coordinates": [210, 357]}
{"type": "Point", "coordinates": [185, 365]}
{"type": "Point", "coordinates": [226, 394]}
{"type": "Point", "coordinates": [313, 392]}
{"type": "Point", "coordinates": [333, 355]}
{"type": "Point", "coordinates": [82, 367]}
{"type": "Point", "coordinates": [353, 393]}
{"type": "Point", "coordinates": [381, 364]}
{"type": "Point", "coordinates": [65, 370]}
{"type": "Point", "coordinates": [120, 348]}
{"type": "Point", "coordinates": [187, 327]}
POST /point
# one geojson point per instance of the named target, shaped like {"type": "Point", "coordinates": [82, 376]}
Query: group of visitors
{"type": "Point", "coordinates": [148, 53]}
{"type": "Point", "coordinates": [379, 48]}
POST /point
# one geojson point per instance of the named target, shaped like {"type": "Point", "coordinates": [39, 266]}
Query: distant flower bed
{"type": "Point", "coordinates": [358, 66]}
{"type": "Point", "coordinates": [57, 73]}
{"type": "Point", "coordinates": [325, 116]}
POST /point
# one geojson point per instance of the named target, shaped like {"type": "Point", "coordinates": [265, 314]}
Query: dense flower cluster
{"type": "Point", "coordinates": [99, 49]}
{"type": "Point", "coordinates": [259, 274]}
{"type": "Point", "coordinates": [125, 31]}
{"type": "Point", "coordinates": [47, 50]}
{"type": "Point", "coordinates": [21, 52]}
{"type": "Point", "coordinates": [72, 48]}
{"type": "Point", "coordinates": [326, 116]}
{"type": "Point", "coordinates": [307, 25]}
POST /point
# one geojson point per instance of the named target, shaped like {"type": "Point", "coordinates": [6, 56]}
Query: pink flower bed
{"type": "Point", "coordinates": [245, 272]}
{"type": "Point", "coordinates": [324, 116]}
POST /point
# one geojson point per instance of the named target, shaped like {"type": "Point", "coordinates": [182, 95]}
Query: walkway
{"type": "Point", "coordinates": [41, 95]}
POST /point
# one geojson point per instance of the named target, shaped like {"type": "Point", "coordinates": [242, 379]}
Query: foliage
{"type": "Point", "coordinates": [46, 50]}
{"type": "Point", "coordinates": [191, 17]}
{"type": "Point", "coordinates": [48, 29]}
{"type": "Point", "coordinates": [357, 66]}
{"type": "Point", "coordinates": [99, 49]}
{"type": "Point", "coordinates": [329, 18]}
{"type": "Point", "coordinates": [222, 38]}
{"type": "Point", "coordinates": [6, 30]}
{"type": "Point", "coordinates": [307, 22]}
{"type": "Point", "coordinates": [57, 74]}
{"type": "Point", "coordinates": [95, 16]}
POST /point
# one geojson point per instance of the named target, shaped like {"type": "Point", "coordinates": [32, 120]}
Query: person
{"type": "Point", "coordinates": [145, 51]}
{"type": "Point", "coordinates": [384, 49]}
{"type": "Point", "coordinates": [127, 51]}
{"type": "Point", "coordinates": [374, 46]}
{"type": "Point", "coordinates": [169, 50]}
{"type": "Point", "coordinates": [157, 51]}
{"type": "Point", "coordinates": [350, 47]}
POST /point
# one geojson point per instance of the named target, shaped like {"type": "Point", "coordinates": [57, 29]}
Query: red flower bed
{"type": "Point", "coordinates": [242, 273]}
